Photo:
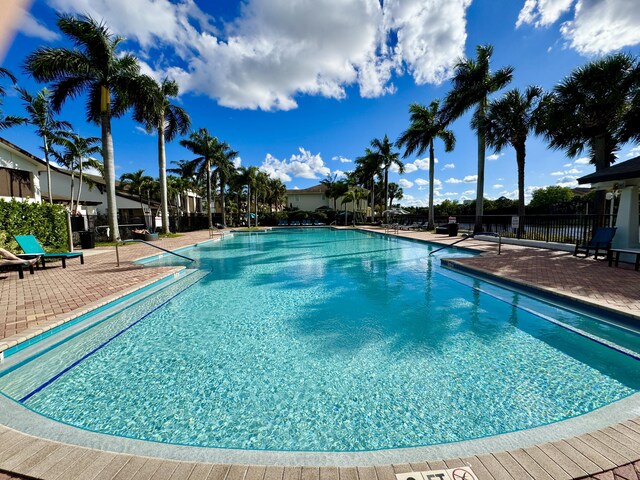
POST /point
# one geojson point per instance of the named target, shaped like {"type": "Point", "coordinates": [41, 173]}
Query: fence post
{"type": "Point", "coordinates": [69, 233]}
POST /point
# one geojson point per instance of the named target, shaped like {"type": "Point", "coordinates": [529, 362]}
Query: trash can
{"type": "Point", "coordinates": [453, 229]}
{"type": "Point", "coordinates": [87, 239]}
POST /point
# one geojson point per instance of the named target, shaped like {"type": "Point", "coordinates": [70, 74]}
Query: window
{"type": "Point", "coordinates": [15, 183]}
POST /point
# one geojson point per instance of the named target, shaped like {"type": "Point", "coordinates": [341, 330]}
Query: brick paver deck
{"type": "Point", "coordinates": [50, 296]}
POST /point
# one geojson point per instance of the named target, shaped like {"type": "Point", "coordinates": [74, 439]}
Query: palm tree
{"type": "Point", "coordinates": [139, 183]}
{"type": "Point", "coordinates": [426, 126]}
{"type": "Point", "coordinates": [382, 149]}
{"type": "Point", "coordinates": [367, 169]}
{"type": "Point", "coordinates": [277, 191]}
{"type": "Point", "coordinates": [9, 120]}
{"type": "Point", "coordinates": [110, 78]}
{"type": "Point", "coordinates": [508, 121]}
{"type": "Point", "coordinates": [223, 161]}
{"type": "Point", "coordinates": [330, 182]}
{"type": "Point", "coordinates": [248, 176]}
{"type": "Point", "coordinates": [40, 115]}
{"type": "Point", "coordinates": [76, 154]}
{"type": "Point", "coordinates": [591, 108]}
{"type": "Point", "coordinates": [472, 84]}
{"type": "Point", "coordinates": [395, 193]}
{"type": "Point", "coordinates": [204, 145]}
{"type": "Point", "coordinates": [353, 196]}
{"type": "Point", "coordinates": [155, 110]}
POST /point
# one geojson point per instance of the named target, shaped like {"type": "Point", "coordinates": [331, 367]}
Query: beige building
{"type": "Point", "coordinates": [312, 198]}
{"type": "Point", "coordinates": [19, 173]}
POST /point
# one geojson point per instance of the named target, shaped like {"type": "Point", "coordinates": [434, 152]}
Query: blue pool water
{"type": "Point", "coordinates": [326, 340]}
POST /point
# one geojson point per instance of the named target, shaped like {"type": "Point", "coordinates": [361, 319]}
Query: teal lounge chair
{"type": "Point", "coordinates": [30, 245]}
{"type": "Point", "coordinates": [600, 243]}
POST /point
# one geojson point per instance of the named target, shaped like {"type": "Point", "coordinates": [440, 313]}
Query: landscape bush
{"type": "Point", "coordinates": [48, 223]}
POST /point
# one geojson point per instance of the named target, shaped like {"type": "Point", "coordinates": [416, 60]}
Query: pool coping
{"type": "Point", "coordinates": [625, 409]}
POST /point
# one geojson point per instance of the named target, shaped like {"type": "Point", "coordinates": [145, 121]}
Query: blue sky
{"type": "Point", "coordinates": [301, 87]}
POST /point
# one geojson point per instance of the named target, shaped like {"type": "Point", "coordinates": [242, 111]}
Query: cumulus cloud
{"type": "Point", "coordinates": [449, 166]}
{"type": "Point", "coordinates": [453, 180]}
{"type": "Point", "coordinates": [404, 183]}
{"type": "Point", "coordinates": [409, 168]}
{"type": "Point", "coordinates": [634, 152]}
{"type": "Point", "coordinates": [341, 159]}
{"type": "Point", "coordinates": [597, 26]}
{"type": "Point", "coordinates": [421, 182]}
{"type": "Point", "coordinates": [302, 165]}
{"type": "Point", "coordinates": [582, 161]}
{"type": "Point", "coordinates": [237, 162]}
{"type": "Point", "coordinates": [495, 156]}
{"type": "Point", "coordinates": [567, 181]}
{"type": "Point", "coordinates": [572, 171]}
{"type": "Point", "coordinates": [470, 179]}
{"type": "Point", "coordinates": [412, 201]}
{"type": "Point", "coordinates": [339, 173]}
{"type": "Point", "coordinates": [498, 185]}
{"type": "Point", "coordinates": [31, 27]}
{"type": "Point", "coordinates": [276, 50]}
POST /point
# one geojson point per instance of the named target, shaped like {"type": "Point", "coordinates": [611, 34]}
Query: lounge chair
{"type": "Point", "coordinates": [9, 261]}
{"type": "Point", "coordinates": [30, 245]}
{"type": "Point", "coordinates": [600, 243]}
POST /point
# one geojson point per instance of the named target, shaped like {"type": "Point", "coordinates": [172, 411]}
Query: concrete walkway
{"type": "Point", "coordinates": [55, 295]}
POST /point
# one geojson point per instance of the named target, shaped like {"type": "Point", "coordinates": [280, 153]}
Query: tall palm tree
{"type": "Point", "coordinates": [590, 108]}
{"type": "Point", "coordinates": [110, 78]}
{"type": "Point", "coordinates": [154, 109]}
{"type": "Point", "coordinates": [395, 193]}
{"type": "Point", "coordinates": [383, 150]}
{"type": "Point", "coordinates": [472, 83]}
{"type": "Point", "coordinates": [330, 182]}
{"type": "Point", "coordinates": [203, 144]}
{"type": "Point", "coordinates": [8, 120]}
{"type": "Point", "coordinates": [223, 162]}
{"type": "Point", "coordinates": [40, 115]}
{"type": "Point", "coordinates": [426, 126]}
{"type": "Point", "coordinates": [248, 176]}
{"type": "Point", "coordinates": [508, 121]}
{"type": "Point", "coordinates": [77, 152]}
{"type": "Point", "coordinates": [367, 169]}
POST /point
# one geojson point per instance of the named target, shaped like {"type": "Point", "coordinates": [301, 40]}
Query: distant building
{"type": "Point", "coordinates": [313, 198]}
{"type": "Point", "coordinates": [23, 176]}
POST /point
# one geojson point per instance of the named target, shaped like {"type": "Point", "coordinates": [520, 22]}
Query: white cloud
{"type": "Point", "coordinates": [404, 183]}
{"type": "Point", "coordinates": [276, 50]}
{"type": "Point", "coordinates": [237, 162]}
{"type": "Point", "coordinates": [572, 171]}
{"type": "Point", "coordinates": [597, 26]}
{"type": "Point", "coordinates": [410, 168]}
{"type": "Point", "coordinates": [453, 180]}
{"type": "Point", "coordinates": [339, 173]}
{"type": "Point", "coordinates": [470, 179]}
{"type": "Point", "coordinates": [421, 182]}
{"type": "Point", "coordinates": [542, 13]}
{"type": "Point", "coordinates": [423, 163]}
{"type": "Point", "coordinates": [303, 165]}
{"type": "Point", "coordinates": [557, 174]}
{"type": "Point", "coordinates": [411, 201]}
{"type": "Point", "coordinates": [143, 131]}
{"type": "Point", "coordinates": [567, 181]}
{"type": "Point", "coordinates": [31, 27]}
{"type": "Point", "coordinates": [449, 166]}
{"type": "Point", "coordinates": [468, 193]}
{"type": "Point", "coordinates": [582, 161]}
{"type": "Point", "coordinates": [341, 159]}
{"type": "Point", "coordinates": [634, 152]}
{"type": "Point", "coordinates": [498, 185]}
{"type": "Point", "coordinates": [567, 165]}
{"type": "Point", "coordinates": [495, 156]}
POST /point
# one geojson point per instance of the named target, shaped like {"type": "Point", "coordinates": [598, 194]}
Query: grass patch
{"type": "Point", "coordinates": [170, 235]}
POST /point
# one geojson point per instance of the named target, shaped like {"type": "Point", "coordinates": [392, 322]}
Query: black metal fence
{"type": "Point", "coordinates": [561, 228]}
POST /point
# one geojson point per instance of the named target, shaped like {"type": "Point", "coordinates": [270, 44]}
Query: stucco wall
{"type": "Point", "coordinates": [17, 161]}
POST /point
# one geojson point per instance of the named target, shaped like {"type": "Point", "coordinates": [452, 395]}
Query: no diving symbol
{"type": "Point", "coordinates": [462, 474]}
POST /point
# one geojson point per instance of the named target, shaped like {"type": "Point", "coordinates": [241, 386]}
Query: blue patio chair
{"type": "Point", "coordinates": [30, 245]}
{"type": "Point", "coordinates": [599, 244]}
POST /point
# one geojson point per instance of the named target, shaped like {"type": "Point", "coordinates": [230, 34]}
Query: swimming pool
{"type": "Point", "coordinates": [326, 340]}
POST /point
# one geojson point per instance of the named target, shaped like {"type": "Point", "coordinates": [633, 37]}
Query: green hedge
{"type": "Point", "coordinates": [47, 222]}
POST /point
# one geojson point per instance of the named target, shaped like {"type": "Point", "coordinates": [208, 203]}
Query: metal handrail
{"type": "Point", "coordinates": [492, 234]}
{"type": "Point", "coordinates": [159, 248]}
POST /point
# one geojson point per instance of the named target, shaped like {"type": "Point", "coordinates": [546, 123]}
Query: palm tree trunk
{"type": "Point", "coordinates": [386, 191]}
{"type": "Point", "coordinates": [432, 163]}
{"type": "Point", "coordinates": [208, 173]}
{"type": "Point", "coordinates": [520, 158]}
{"type": "Point", "coordinates": [223, 206]}
{"type": "Point", "coordinates": [255, 223]}
{"type": "Point", "coordinates": [79, 185]}
{"type": "Point", "coordinates": [46, 159]}
{"type": "Point", "coordinates": [109, 173]}
{"type": "Point", "coordinates": [600, 161]}
{"type": "Point", "coordinates": [72, 190]}
{"type": "Point", "coordinates": [480, 181]}
{"type": "Point", "coordinates": [249, 205]}
{"type": "Point", "coordinates": [162, 167]}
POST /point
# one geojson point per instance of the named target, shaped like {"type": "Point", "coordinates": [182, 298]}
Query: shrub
{"type": "Point", "coordinates": [48, 223]}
